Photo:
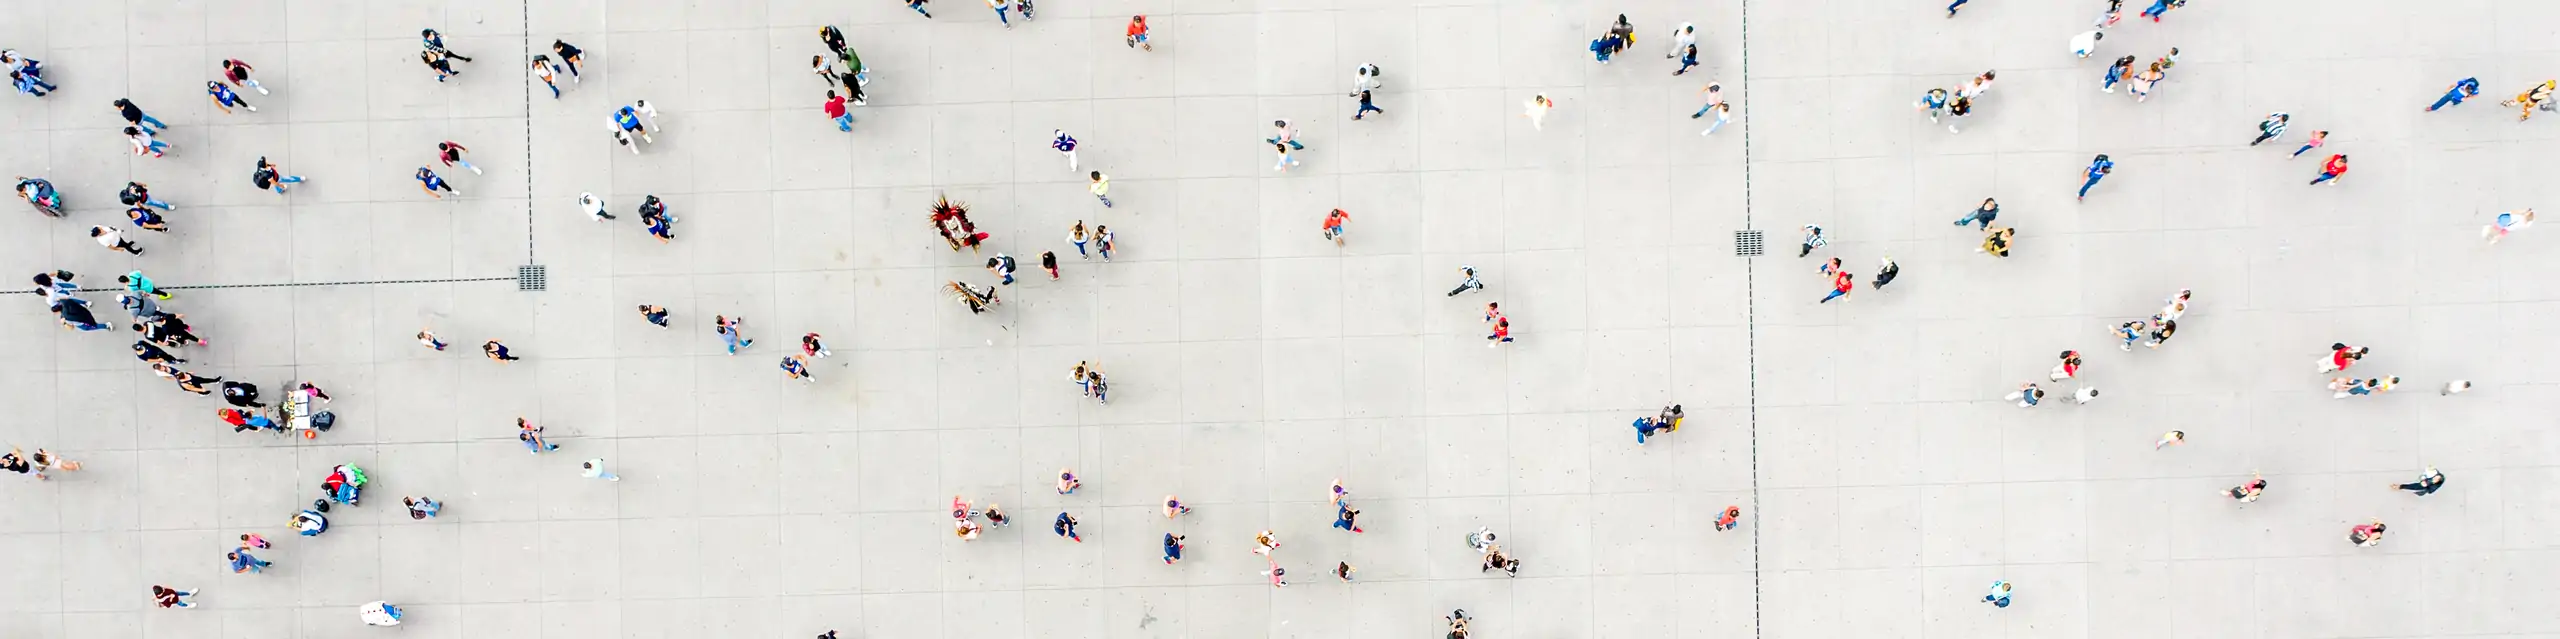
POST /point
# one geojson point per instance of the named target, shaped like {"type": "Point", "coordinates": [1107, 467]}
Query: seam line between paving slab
{"type": "Point", "coordinates": [1751, 332]}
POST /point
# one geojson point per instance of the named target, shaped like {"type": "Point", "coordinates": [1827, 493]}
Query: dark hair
{"type": "Point", "coordinates": [1097, 175]}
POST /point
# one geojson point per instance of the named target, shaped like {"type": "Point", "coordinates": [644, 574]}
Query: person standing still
{"type": "Point", "coordinates": [1333, 226]}
{"type": "Point", "coordinates": [1049, 262]}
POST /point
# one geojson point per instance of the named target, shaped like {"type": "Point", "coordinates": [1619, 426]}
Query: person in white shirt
{"type": "Point", "coordinates": [1363, 78]}
{"type": "Point", "coordinates": [1681, 37]}
{"type": "Point", "coordinates": [112, 239]}
{"type": "Point", "coordinates": [594, 207]}
{"type": "Point", "coordinates": [1537, 111]}
{"type": "Point", "coordinates": [2087, 42]}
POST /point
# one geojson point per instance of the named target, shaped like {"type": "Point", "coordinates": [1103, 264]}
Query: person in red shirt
{"type": "Point", "coordinates": [2342, 356]}
{"type": "Point", "coordinates": [1333, 225]}
{"type": "Point", "coordinates": [1841, 282]}
{"type": "Point", "coordinates": [2336, 166]}
{"type": "Point", "coordinates": [1138, 33]}
{"type": "Point", "coordinates": [169, 597]}
{"type": "Point", "coordinates": [1501, 332]}
{"type": "Point", "coordinates": [1732, 518]}
{"type": "Point", "coordinates": [835, 110]}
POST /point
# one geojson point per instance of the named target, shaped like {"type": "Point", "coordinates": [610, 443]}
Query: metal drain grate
{"type": "Point", "coordinates": [531, 277]}
{"type": "Point", "coordinates": [1747, 244]}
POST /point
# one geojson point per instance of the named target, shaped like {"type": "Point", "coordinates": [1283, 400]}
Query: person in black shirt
{"type": "Point", "coordinates": [133, 115]}
{"type": "Point", "coordinates": [569, 54]}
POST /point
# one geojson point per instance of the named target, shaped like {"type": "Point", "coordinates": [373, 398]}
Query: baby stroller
{"type": "Point", "coordinates": [310, 522]}
{"type": "Point", "coordinates": [344, 485]}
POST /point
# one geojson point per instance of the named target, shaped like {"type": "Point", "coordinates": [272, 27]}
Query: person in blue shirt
{"type": "Point", "coordinates": [1065, 144]}
{"type": "Point", "coordinates": [2098, 169]}
{"type": "Point", "coordinates": [2454, 95]}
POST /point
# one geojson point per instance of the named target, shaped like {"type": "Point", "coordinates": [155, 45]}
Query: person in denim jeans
{"type": "Point", "coordinates": [1990, 210]}
{"type": "Point", "coordinates": [836, 110]}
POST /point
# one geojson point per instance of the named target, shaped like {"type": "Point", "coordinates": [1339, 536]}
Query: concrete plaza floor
{"type": "Point", "coordinates": [1884, 482]}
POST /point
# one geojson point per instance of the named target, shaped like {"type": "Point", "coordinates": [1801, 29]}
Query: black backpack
{"type": "Point", "coordinates": [324, 420]}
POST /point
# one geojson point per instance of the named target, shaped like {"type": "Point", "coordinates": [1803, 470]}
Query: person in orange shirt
{"type": "Point", "coordinates": [1333, 225]}
{"type": "Point", "coordinates": [1138, 33]}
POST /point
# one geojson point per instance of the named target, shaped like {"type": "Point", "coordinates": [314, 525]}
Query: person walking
{"type": "Point", "coordinates": [2147, 78]}
{"type": "Point", "coordinates": [2427, 484]}
{"type": "Point", "coordinates": [2317, 138]}
{"type": "Point", "coordinates": [243, 562]}
{"type": "Point", "coordinates": [428, 339]}
{"type": "Point", "coordinates": [143, 144]}
{"type": "Point", "coordinates": [1715, 96]}
{"type": "Point", "coordinates": [1282, 132]}
{"type": "Point", "coordinates": [918, 5]}
{"type": "Point", "coordinates": [238, 73]}
{"type": "Point", "coordinates": [136, 283]}
{"type": "Point", "coordinates": [1001, 6]}
{"type": "Point", "coordinates": [1101, 189]}
{"type": "Point", "coordinates": [1065, 144]}
{"type": "Point", "coordinates": [2367, 535]}
{"type": "Point", "coordinates": [2272, 128]}
{"type": "Point", "coordinates": [594, 206]}
{"type": "Point", "coordinates": [835, 109]}
{"type": "Point", "coordinates": [1065, 526]}
{"type": "Point", "coordinates": [1724, 113]}
{"type": "Point", "coordinates": [531, 436]}
{"type": "Point", "coordinates": [2532, 99]}
{"type": "Point", "coordinates": [2087, 42]}
{"type": "Point", "coordinates": [422, 507]}
{"type": "Point", "coordinates": [144, 218]}
{"type": "Point", "coordinates": [1682, 37]}
{"type": "Point", "coordinates": [1347, 518]}
{"type": "Point", "coordinates": [134, 116]}
{"type": "Point", "coordinates": [2171, 438]}
{"type": "Point", "coordinates": [268, 176]}
{"type": "Point", "coordinates": [2000, 590]}
{"type": "Point", "coordinates": [1283, 164]}
{"type": "Point", "coordinates": [1076, 235]}
{"type": "Point", "coordinates": [1366, 105]}
{"type": "Point", "coordinates": [2462, 89]}
{"type": "Point", "coordinates": [594, 469]}
{"type": "Point", "coordinates": [547, 72]}
{"type": "Point", "coordinates": [113, 240]}
{"type": "Point", "coordinates": [450, 153]}
{"type": "Point", "coordinates": [1364, 78]}
{"type": "Point", "coordinates": [438, 63]}
{"type": "Point", "coordinates": [1001, 265]}
{"type": "Point", "coordinates": [2329, 171]}
{"type": "Point", "coordinates": [2068, 369]}
{"type": "Point", "coordinates": [570, 55]}
{"type": "Point", "coordinates": [2027, 395]}
{"type": "Point", "coordinates": [1886, 270]}
{"type": "Point", "coordinates": [139, 195]}
{"type": "Point", "coordinates": [1688, 58]}
{"type": "Point", "coordinates": [224, 98]}
{"type": "Point", "coordinates": [2161, 331]}
{"type": "Point", "coordinates": [2504, 223]}
{"type": "Point", "coordinates": [1138, 33]}
{"type": "Point", "coordinates": [795, 368]}
{"type": "Point", "coordinates": [1990, 210]}
{"type": "Point", "coordinates": [811, 346]}
{"type": "Point", "coordinates": [1536, 111]}
{"type": "Point", "coordinates": [1957, 110]}
{"type": "Point", "coordinates": [1172, 548]}
{"type": "Point", "coordinates": [1933, 103]}
{"type": "Point", "coordinates": [1996, 241]}
{"type": "Point", "coordinates": [1813, 239]}
{"type": "Point", "coordinates": [731, 331]}
{"type": "Point", "coordinates": [431, 183]}
{"type": "Point", "coordinates": [2249, 491]}
{"type": "Point", "coordinates": [2118, 72]}
{"type": "Point", "coordinates": [2098, 170]}
{"type": "Point", "coordinates": [1732, 519]}
{"type": "Point", "coordinates": [433, 42]}
{"type": "Point", "coordinates": [1104, 241]}
{"type": "Point", "coordinates": [1333, 223]}
{"type": "Point", "coordinates": [1049, 262]}
{"type": "Point", "coordinates": [167, 597]}
{"type": "Point", "coordinates": [1067, 482]}
{"type": "Point", "coordinates": [1173, 507]}
{"type": "Point", "coordinates": [1841, 282]}
{"type": "Point", "coordinates": [1468, 281]}
{"type": "Point", "coordinates": [1264, 542]}
{"type": "Point", "coordinates": [497, 352]}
